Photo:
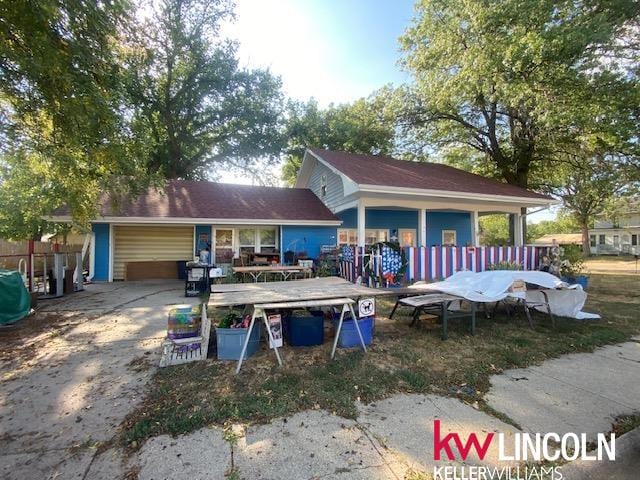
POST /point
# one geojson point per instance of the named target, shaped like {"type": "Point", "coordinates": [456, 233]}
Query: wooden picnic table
{"type": "Point", "coordinates": [288, 291]}
{"type": "Point", "coordinates": [286, 271]}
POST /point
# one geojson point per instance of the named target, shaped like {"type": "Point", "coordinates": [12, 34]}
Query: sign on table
{"type": "Point", "coordinates": [366, 307]}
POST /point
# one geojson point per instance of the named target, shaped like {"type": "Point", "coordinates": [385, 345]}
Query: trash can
{"type": "Point", "coordinates": [182, 269]}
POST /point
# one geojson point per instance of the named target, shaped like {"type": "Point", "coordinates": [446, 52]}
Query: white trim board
{"type": "Point", "coordinates": [201, 221]}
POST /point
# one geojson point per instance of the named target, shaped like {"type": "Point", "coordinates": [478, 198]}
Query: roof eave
{"type": "Point", "coordinates": [194, 221]}
{"type": "Point", "coordinates": [529, 201]}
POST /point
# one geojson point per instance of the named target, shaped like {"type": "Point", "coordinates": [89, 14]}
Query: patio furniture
{"type": "Point", "coordinates": [176, 351]}
{"type": "Point", "coordinates": [284, 271]}
{"type": "Point", "coordinates": [520, 297]}
{"type": "Point", "coordinates": [438, 304]}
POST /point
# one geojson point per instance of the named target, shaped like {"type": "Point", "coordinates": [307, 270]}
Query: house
{"type": "Point", "coordinates": [176, 223]}
{"type": "Point", "coordinates": [617, 235]}
{"type": "Point", "coordinates": [339, 199]}
{"type": "Point", "coordinates": [379, 198]}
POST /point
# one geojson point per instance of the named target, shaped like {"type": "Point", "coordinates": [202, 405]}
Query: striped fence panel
{"type": "Point", "coordinates": [437, 262]}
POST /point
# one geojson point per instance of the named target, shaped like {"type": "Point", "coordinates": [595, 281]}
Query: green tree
{"type": "Point", "coordinates": [190, 99]}
{"type": "Point", "coordinates": [60, 98]}
{"type": "Point", "coordinates": [590, 182]}
{"type": "Point", "coordinates": [494, 229]}
{"type": "Point", "coordinates": [563, 223]}
{"type": "Point", "coordinates": [512, 83]}
{"type": "Point", "coordinates": [364, 126]}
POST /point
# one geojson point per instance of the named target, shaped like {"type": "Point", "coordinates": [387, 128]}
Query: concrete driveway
{"type": "Point", "coordinates": [68, 388]}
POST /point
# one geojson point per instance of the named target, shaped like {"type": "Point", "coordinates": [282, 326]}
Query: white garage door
{"type": "Point", "coordinates": [137, 243]}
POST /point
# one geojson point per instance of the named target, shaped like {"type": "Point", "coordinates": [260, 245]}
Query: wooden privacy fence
{"type": "Point", "coordinates": [34, 260]}
{"type": "Point", "coordinates": [436, 263]}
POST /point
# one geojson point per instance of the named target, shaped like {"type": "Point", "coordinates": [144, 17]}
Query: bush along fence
{"type": "Point", "coordinates": [386, 264]}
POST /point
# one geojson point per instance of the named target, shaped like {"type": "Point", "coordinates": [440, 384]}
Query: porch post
{"type": "Point", "coordinates": [518, 240]}
{"type": "Point", "coordinates": [361, 223]}
{"type": "Point", "coordinates": [422, 227]}
{"type": "Point", "coordinates": [475, 228]}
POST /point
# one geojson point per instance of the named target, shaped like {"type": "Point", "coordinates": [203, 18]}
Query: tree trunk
{"type": "Point", "coordinates": [586, 245]}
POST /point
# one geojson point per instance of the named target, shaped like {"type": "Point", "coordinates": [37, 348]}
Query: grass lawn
{"type": "Point", "coordinates": [401, 359]}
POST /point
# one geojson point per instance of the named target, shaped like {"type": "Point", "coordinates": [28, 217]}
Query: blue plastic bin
{"type": "Point", "coordinates": [305, 331]}
{"type": "Point", "coordinates": [349, 335]}
{"type": "Point", "coordinates": [230, 341]}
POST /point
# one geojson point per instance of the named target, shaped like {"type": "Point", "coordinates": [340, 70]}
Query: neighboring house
{"type": "Point", "coordinates": [418, 204]}
{"type": "Point", "coordinates": [560, 239]}
{"type": "Point", "coordinates": [340, 199]}
{"type": "Point", "coordinates": [617, 235]}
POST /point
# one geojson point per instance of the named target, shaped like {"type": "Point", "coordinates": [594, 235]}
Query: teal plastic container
{"type": "Point", "coordinates": [230, 340]}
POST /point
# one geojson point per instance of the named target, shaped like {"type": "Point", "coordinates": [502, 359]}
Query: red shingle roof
{"type": "Point", "coordinates": [389, 172]}
{"type": "Point", "coordinates": [191, 199]}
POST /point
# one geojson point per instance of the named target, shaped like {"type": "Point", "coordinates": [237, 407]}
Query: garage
{"type": "Point", "coordinates": [160, 245]}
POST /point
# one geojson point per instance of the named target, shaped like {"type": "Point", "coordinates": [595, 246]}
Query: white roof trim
{"type": "Point", "coordinates": [349, 186]}
{"type": "Point", "coordinates": [454, 194]}
{"type": "Point", "coordinates": [199, 221]}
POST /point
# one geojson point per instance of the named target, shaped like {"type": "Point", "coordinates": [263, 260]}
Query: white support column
{"type": "Point", "coordinates": [517, 224]}
{"type": "Point", "coordinates": [475, 228]}
{"type": "Point", "coordinates": [111, 250]}
{"type": "Point", "coordinates": [422, 227]}
{"type": "Point", "coordinates": [361, 223]}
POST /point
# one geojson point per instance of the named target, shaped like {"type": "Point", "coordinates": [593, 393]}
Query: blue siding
{"type": "Point", "coordinates": [202, 230]}
{"type": "Point", "coordinates": [394, 219]}
{"type": "Point", "coordinates": [307, 239]}
{"type": "Point", "coordinates": [101, 267]}
{"type": "Point", "coordinates": [391, 219]}
{"type": "Point", "coordinates": [458, 221]}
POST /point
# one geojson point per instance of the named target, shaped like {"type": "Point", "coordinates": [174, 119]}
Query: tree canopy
{"type": "Point", "coordinates": [364, 126]}
{"type": "Point", "coordinates": [190, 99]}
{"type": "Point", "coordinates": [511, 82]}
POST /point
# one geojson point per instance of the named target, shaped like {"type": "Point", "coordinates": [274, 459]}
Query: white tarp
{"type": "Point", "coordinates": [494, 285]}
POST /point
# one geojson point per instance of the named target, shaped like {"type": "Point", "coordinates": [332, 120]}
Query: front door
{"type": "Point", "coordinates": [223, 239]}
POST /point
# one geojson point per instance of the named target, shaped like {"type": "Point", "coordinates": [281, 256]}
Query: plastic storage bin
{"type": "Point", "coordinates": [349, 335]}
{"type": "Point", "coordinates": [304, 331]}
{"type": "Point", "coordinates": [229, 342]}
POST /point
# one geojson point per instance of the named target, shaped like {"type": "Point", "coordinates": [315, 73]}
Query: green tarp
{"type": "Point", "coordinates": [15, 300]}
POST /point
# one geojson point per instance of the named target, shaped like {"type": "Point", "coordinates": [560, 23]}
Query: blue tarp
{"type": "Point", "coordinates": [15, 301]}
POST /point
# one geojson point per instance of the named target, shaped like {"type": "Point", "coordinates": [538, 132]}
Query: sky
{"type": "Point", "coordinates": [335, 51]}
{"type": "Point", "coordinates": [332, 50]}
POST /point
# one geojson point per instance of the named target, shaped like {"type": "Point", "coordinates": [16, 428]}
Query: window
{"type": "Point", "coordinates": [448, 237]}
{"type": "Point", "coordinates": [592, 240]}
{"type": "Point", "coordinates": [257, 240]}
{"type": "Point", "coordinates": [247, 239]}
{"type": "Point", "coordinates": [349, 236]}
{"type": "Point", "coordinates": [634, 239]}
{"type": "Point", "coordinates": [601, 240]}
{"type": "Point", "coordinates": [323, 185]}
{"type": "Point", "coordinates": [407, 237]}
{"type": "Point", "coordinates": [268, 240]}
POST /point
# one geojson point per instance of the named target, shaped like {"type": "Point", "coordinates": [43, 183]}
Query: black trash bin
{"type": "Point", "coordinates": [182, 269]}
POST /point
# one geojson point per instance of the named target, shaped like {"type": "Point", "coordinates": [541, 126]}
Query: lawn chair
{"type": "Point", "coordinates": [518, 294]}
{"type": "Point", "coordinates": [184, 350]}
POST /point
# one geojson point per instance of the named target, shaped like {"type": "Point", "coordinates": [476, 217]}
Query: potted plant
{"type": "Point", "coordinates": [572, 266]}
{"type": "Point", "coordinates": [231, 333]}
